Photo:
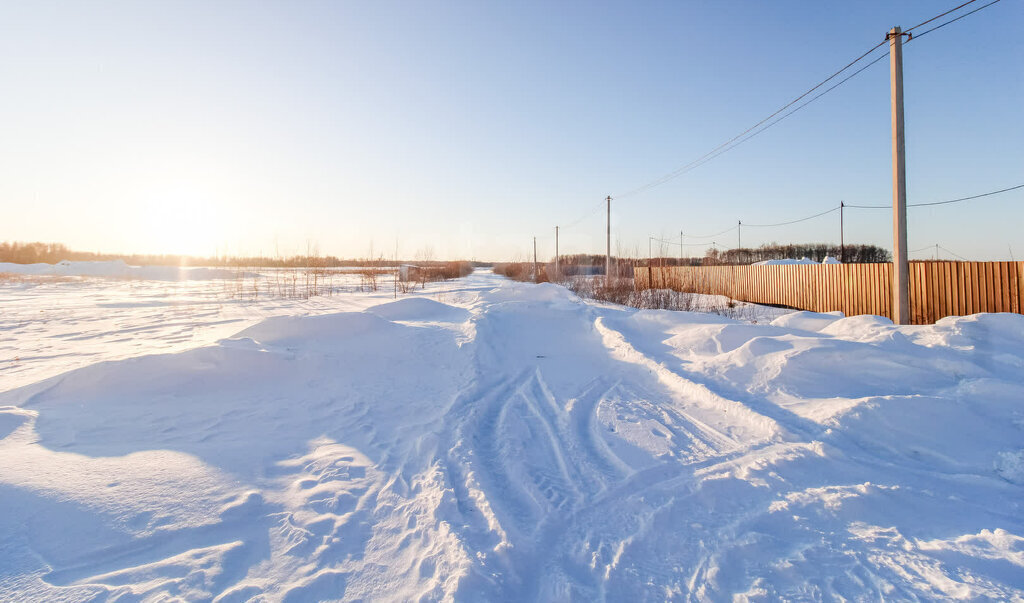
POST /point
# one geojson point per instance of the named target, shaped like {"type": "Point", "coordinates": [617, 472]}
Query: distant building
{"type": "Point", "coordinates": [408, 272]}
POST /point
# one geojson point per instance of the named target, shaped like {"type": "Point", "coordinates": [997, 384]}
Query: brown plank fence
{"type": "Point", "coordinates": [937, 289]}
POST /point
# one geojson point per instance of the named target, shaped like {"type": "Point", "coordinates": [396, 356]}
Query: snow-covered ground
{"type": "Point", "coordinates": [491, 440]}
{"type": "Point", "coordinates": [117, 269]}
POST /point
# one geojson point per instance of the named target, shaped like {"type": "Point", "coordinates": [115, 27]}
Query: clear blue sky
{"type": "Point", "coordinates": [469, 127]}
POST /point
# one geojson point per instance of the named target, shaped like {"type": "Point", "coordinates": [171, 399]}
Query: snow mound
{"type": "Point", "coordinates": [992, 333]}
{"type": "Point", "coordinates": [530, 293]}
{"type": "Point", "coordinates": [420, 309]}
{"type": "Point", "coordinates": [863, 327]}
{"type": "Point", "coordinates": [807, 321]}
{"type": "Point", "coordinates": [329, 330]}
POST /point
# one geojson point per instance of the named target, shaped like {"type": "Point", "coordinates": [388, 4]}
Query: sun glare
{"type": "Point", "coordinates": [182, 222]}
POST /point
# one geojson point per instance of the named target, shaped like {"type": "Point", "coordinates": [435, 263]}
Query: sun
{"type": "Point", "coordinates": [182, 222]}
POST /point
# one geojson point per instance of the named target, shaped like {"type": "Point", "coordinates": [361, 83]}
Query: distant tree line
{"type": "Point", "coordinates": [584, 263]}
{"type": "Point", "coordinates": [51, 253]}
{"type": "Point", "coordinates": [852, 254]}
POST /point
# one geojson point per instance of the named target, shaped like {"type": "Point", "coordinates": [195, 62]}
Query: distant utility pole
{"type": "Point", "coordinates": [680, 248]}
{"type": "Point", "coordinates": [608, 249]}
{"type": "Point", "coordinates": [739, 234]}
{"type": "Point", "coordinates": [842, 241]}
{"type": "Point", "coordinates": [650, 253]}
{"type": "Point", "coordinates": [901, 267]}
{"type": "Point", "coordinates": [557, 271]}
{"type": "Point", "coordinates": [535, 259]}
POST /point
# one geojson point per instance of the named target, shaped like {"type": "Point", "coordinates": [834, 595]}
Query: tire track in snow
{"type": "Point", "coordinates": [587, 431]}
{"type": "Point", "coordinates": [533, 474]}
{"type": "Point", "coordinates": [739, 427]}
{"type": "Point", "coordinates": [520, 466]}
{"type": "Point", "coordinates": [563, 481]}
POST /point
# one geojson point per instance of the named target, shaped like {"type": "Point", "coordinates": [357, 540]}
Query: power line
{"type": "Point", "coordinates": [729, 143]}
{"type": "Point", "coordinates": [742, 136]}
{"type": "Point", "coordinates": [950, 252]}
{"type": "Point", "coordinates": [758, 129]}
{"type": "Point", "coordinates": [868, 206]}
{"type": "Point", "coordinates": [762, 130]}
{"type": "Point", "coordinates": [793, 221]}
{"type": "Point", "coordinates": [967, 198]}
{"type": "Point", "coordinates": [936, 247]}
{"type": "Point", "coordinates": [939, 16]}
{"type": "Point", "coordinates": [583, 217]}
{"type": "Point", "coordinates": [928, 31]}
{"type": "Point", "coordinates": [817, 215]}
{"type": "Point", "coordinates": [712, 235]}
{"type": "Point", "coordinates": [988, 194]}
{"type": "Point", "coordinates": [827, 90]}
{"type": "Point", "coordinates": [828, 211]}
{"type": "Point", "coordinates": [680, 244]}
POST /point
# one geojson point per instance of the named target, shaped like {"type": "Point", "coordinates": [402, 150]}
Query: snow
{"type": "Point", "coordinates": [790, 262]}
{"type": "Point", "coordinates": [489, 440]}
{"type": "Point", "coordinates": [117, 269]}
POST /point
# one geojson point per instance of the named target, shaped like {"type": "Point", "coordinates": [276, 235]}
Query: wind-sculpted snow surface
{"type": "Point", "coordinates": [509, 441]}
{"type": "Point", "coordinates": [118, 269]}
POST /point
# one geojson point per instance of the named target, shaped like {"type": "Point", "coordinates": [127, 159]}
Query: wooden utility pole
{"type": "Point", "coordinates": [608, 250]}
{"type": "Point", "coordinates": [680, 248]}
{"type": "Point", "coordinates": [558, 272]}
{"type": "Point", "coordinates": [535, 275]}
{"type": "Point", "coordinates": [842, 241]}
{"type": "Point", "coordinates": [901, 267]}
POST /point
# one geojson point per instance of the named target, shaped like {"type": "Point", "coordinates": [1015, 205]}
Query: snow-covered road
{"type": "Point", "coordinates": [491, 440]}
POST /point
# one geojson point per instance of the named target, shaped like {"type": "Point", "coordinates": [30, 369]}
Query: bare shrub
{"type": "Point", "coordinates": [430, 271]}
{"type": "Point", "coordinates": [623, 292]}
{"type": "Point", "coordinates": [522, 271]}
{"type": "Point", "coordinates": [403, 285]}
{"type": "Point", "coordinates": [369, 277]}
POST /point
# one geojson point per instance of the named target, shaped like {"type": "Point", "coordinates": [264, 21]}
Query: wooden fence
{"type": "Point", "coordinates": [937, 289]}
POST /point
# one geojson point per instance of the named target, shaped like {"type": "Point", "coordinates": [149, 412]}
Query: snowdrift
{"type": "Point", "coordinates": [791, 262]}
{"type": "Point", "coordinates": [117, 269]}
{"type": "Point", "coordinates": [515, 443]}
